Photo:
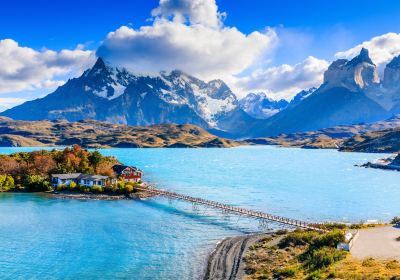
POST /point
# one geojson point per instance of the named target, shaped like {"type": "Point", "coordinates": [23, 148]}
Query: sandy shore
{"type": "Point", "coordinates": [226, 262]}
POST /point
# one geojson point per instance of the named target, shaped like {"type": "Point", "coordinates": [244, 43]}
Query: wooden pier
{"type": "Point", "coordinates": [233, 209]}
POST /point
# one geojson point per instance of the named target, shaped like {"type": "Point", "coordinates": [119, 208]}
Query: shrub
{"type": "Point", "coordinates": [35, 183]}
{"type": "Point", "coordinates": [331, 226]}
{"type": "Point", "coordinates": [61, 187]}
{"type": "Point", "coordinates": [286, 272]}
{"type": "Point", "coordinates": [97, 189]}
{"type": "Point", "coordinates": [369, 262]}
{"type": "Point", "coordinates": [297, 238]}
{"type": "Point", "coordinates": [393, 264]}
{"type": "Point", "coordinates": [316, 275]}
{"type": "Point", "coordinates": [281, 232]}
{"type": "Point", "coordinates": [121, 186]}
{"type": "Point", "coordinates": [73, 186]}
{"type": "Point", "coordinates": [323, 257]}
{"type": "Point", "coordinates": [129, 187]}
{"type": "Point", "coordinates": [395, 220]}
{"type": "Point", "coordinates": [330, 239]}
{"type": "Point", "coordinates": [111, 188]}
{"type": "Point", "coordinates": [6, 182]}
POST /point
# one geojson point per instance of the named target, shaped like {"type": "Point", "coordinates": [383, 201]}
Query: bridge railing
{"type": "Point", "coordinates": [238, 210]}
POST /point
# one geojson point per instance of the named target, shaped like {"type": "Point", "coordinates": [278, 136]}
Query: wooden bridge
{"type": "Point", "coordinates": [233, 209]}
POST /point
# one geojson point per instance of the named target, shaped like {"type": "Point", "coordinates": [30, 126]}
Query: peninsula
{"type": "Point", "coordinates": [71, 172]}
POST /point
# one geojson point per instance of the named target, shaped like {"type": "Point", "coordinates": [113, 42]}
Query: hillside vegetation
{"type": "Point", "coordinates": [30, 171]}
{"type": "Point", "coordinates": [102, 134]}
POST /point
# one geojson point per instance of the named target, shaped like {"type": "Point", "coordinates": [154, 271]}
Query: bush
{"type": "Point", "coordinates": [316, 275]}
{"type": "Point", "coordinates": [6, 182]}
{"type": "Point", "coordinates": [84, 189]}
{"type": "Point", "coordinates": [330, 239]}
{"type": "Point", "coordinates": [281, 232]}
{"type": "Point", "coordinates": [97, 189]}
{"type": "Point", "coordinates": [395, 220]}
{"type": "Point", "coordinates": [73, 186]}
{"type": "Point", "coordinates": [61, 187]}
{"type": "Point", "coordinates": [323, 257]}
{"type": "Point", "coordinates": [331, 226]}
{"type": "Point", "coordinates": [297, 238]}
{"type": "Point", "coordinates": [286, 272]}
{"type": "Point", "coordinates": [121, 186]}
{"type": "Point", "coordinates": [35, 183]}
{"type": "Point", "coordinates": [111, 189]}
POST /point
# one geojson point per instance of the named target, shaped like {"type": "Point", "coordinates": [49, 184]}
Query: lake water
{"type": "Point", "coordinates": [47, 238]}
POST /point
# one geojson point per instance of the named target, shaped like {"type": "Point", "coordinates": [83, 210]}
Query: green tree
{"type": "Point", "coordinates": [95, 158]}
{"type": "Point", "coordinates": [6, 182]}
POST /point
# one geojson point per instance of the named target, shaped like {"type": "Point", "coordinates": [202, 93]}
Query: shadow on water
{"type": "Point", "coordinates": [204, 219]}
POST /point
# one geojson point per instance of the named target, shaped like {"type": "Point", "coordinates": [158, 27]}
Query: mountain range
{"type": "Point", "coordinates": [115, 95]}
{"type": "Point", "coordinates": [260, 106]}
{"type": "Point", "coordinates": [351, 93]}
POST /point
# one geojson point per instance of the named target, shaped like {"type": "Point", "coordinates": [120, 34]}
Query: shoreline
{"type": "Point", "coordinates": [90, 196]}
{"type": "Point", "coordinates": [226, 261]}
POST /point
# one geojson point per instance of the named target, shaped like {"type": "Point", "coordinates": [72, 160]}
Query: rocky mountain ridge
{"type": "Point", "coordinates": [260, 106]}
{"type": "Point", "coordinates": [115, 95]}
{"type": "Point", "coordinates": [351, 94]}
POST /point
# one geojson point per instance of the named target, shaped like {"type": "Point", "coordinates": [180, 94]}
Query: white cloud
{"type": "Point", "coordinates": [381, 48]}
{"type": "Point", "coordinates": [285, 80]}
{"type": "Point", "coordinates": [23, 68]}
{"type": "Point", "coordinates": [193, 40]}
{"type": "Point", "coordinates": [8, 102]}
{"type": "Point", "coordinates": [204, 12]}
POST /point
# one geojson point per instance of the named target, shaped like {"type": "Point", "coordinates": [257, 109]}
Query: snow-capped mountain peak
{"type": "Point", "coordinates": [106, 81]}
{"type": "Point", "coordinates": [260, 106]}
{"type": "Point", "coordinates": [209, 100]}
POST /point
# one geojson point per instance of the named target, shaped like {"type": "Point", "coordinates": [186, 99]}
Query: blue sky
{"type": "Point", "coordinates": [291, 31]}
{"type": "Point", "coordinates": [64, 24]}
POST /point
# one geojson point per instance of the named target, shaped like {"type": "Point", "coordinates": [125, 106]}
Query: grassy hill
{"type": "Point", "coordinates": [93, 134]}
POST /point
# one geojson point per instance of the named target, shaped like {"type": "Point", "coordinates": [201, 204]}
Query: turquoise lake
{"type": "Point", "coordinates": [48, 238]}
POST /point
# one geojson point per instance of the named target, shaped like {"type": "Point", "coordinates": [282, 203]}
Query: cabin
{"type": "Point", "coordinates": [87, 180]}
{"type": "Point", "coordinates": [64, 179]}
{"type": "Point", "coordinates": [128, 173]}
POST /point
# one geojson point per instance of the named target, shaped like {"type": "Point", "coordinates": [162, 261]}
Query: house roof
{"type": "Point", "coordinates": [92, 177]}
{"type": "Point", "coordinates": [119, 168]}
{"type": "Point", "coordinates": [79, 176]}
{"type": "Point", "coordinates": [66, 175]}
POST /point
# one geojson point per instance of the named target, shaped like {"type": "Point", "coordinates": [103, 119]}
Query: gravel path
{"type": "Point", "coordinates": [226, 263]}
{"type": "Point", "coordinates": [378, 243]}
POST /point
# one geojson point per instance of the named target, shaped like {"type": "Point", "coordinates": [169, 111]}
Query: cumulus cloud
{"type": "Point", "coordinates": [285, 80]}
{"type": "Point", "coordinates": [381, 48]}
{"type": "Point", "coordinates": [23, 68]}
{"type": "Point", "coordinates": [204, 12]}
{"type": "Point", "coordinates": [187, 35]}
{"type": "Point", "coordinates": [8, 102]}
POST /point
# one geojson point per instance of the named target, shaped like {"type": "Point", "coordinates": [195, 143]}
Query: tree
{"type": "Point", "coordinates": [105, 168]}
{"type": "Point", "coordinates": [6, 183]}
{"type": "Point", "coordinates": [44, 164]}
{"type": "Point", "coordinates": [95, 158]}
{"type": "Point", "coordinates": [9, 165]}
